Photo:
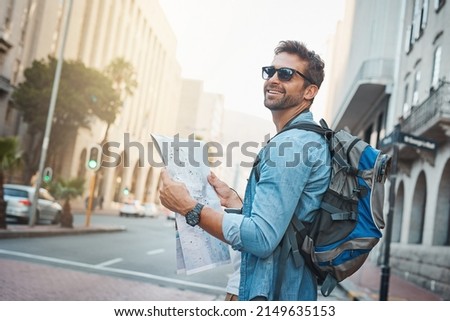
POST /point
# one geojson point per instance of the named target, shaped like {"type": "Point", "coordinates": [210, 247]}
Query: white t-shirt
{"type": "Point", "coordinates": [235, 277]}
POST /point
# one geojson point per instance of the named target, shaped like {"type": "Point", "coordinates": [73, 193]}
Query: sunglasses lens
{"type": "Point", "coordinates": [268, 72]}
{"type": "Point", "coordinates": [285, 74]}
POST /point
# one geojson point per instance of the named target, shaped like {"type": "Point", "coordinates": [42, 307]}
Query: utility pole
{"type": "Point", "coordinates": [51, 111]}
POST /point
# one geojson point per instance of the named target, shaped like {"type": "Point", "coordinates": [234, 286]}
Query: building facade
{"type": "Point", "coordinates": [394, 73]}
{"type": "Point", "coordinates": [99, 31]}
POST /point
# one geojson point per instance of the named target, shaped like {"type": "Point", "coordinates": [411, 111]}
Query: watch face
{"type": "Point", "coordinates": [193, 218]}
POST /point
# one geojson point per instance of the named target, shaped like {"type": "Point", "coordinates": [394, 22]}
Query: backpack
{"type": "Point", "coordinates": [347, 226]}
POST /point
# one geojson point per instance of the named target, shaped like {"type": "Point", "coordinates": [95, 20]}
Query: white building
{"type": "Point", "coordinates": [99, 31]}
{"type": "Point", "coordinates": [394, 70]}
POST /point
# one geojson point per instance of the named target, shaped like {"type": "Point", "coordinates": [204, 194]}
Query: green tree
{"type": "Point", "coordinates": [67, 190]}
{"type": "Point", "coordinates": [123, 77]}
{"type": "Point", "coordinates": [9, 159]}
{"type": "Point", "coordinates": [83, 93]}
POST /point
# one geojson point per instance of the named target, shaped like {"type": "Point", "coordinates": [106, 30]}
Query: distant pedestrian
{"type": "Point", "coordinates": [100, 201]}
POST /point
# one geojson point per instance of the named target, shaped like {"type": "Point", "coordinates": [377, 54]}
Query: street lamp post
{"type": "Point", "coordinates": [51, 110]}
{"type": "Point", "coordinates": [385, 269]}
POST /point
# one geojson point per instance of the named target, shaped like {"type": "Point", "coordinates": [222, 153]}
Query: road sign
{"type": "Point", "coordinates": [408, 139]}
{"type": "Point", "coordinates": [387, 141]}
{"type": "Point", "coordinates": [418, 142]}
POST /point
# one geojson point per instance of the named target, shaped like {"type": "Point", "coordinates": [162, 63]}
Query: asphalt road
{"type": "Point", "coordinates": [145, 252]}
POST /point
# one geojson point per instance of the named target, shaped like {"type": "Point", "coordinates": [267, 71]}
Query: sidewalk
{"type": "Point", "coordinates": [362, 286]}
{"type": "Point", "coordinates": [27, 281]}
{"type": "Point", "coordinates": [15, 230]}
{"type": "Point", "coordinates": [60, 284]}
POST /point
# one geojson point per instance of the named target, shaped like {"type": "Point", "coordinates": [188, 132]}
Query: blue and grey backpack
{"type": "Point", "coordinates": [347, 225]}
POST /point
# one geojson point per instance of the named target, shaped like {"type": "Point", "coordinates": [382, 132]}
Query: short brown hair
{"type": "Point", "coordinates": [315, 64]}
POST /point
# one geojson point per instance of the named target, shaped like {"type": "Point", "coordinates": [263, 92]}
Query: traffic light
{"type": "Point", "coordinates": [47, 175]}
{"type": "Point", "coordinates": [94, 159]}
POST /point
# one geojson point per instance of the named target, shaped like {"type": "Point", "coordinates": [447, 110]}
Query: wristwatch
{"type": "Point", "coordinates": [193, 216]}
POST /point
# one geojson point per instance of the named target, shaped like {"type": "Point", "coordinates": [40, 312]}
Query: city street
{"type": "Point", "coordinates": [141, 258]}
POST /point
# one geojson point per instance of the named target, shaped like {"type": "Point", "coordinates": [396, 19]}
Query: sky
{"type": "Point", "coordinates": [225, 43]}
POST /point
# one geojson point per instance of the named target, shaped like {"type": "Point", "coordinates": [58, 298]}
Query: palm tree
{"type": "Point", "coordinates": [67, 190]}
{"type": "Point", "coordinates": [9, 159]}
{"type": "Point", "coordinates": [123, 76]}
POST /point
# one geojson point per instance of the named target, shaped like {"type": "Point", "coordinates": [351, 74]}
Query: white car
{"type": "Point", "coordinates": [151, 210]}
{"type": "Point", "coordinates": [132, 208]}
{"type": "Point", "coordinates": [19, 199]}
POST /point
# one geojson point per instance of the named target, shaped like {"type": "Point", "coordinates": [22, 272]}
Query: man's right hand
{"type": "Point", "coordinates": [228, 197]}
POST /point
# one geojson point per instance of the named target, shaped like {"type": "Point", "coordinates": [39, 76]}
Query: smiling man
{"type": "Point", "coordinates": [292, 175]}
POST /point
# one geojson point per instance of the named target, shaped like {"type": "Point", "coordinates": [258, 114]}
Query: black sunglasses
{"type": "Point", "coordinates": [284, 74]}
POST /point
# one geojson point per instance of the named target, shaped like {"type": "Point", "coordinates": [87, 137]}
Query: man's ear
{"type": "Point", "coordinates": [311, 92]}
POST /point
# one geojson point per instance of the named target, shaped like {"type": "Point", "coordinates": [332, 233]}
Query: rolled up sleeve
{"type": "Point", "coordinates": [231, 229]}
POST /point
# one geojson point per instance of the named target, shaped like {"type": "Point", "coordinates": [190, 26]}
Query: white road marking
{"type": "Point", "coordinates": [110, 262]}
{"type": "Point", "coordinates": [118, 271]}
{"type": "Point", "coordinates": [157, 251]}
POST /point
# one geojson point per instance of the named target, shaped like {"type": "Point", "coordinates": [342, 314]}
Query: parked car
{"type": "Point", "coordinates": [19, 199]}
{"type": "Point", "coordinates": [132, 208]}
{"type": "Point", "coordinates": [168, 213]}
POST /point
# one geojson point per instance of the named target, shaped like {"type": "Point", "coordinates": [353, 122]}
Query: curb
{"type": "Point", "coordinates": [56, 231]}
{"type": "Point", "coordinates": [354, 293]}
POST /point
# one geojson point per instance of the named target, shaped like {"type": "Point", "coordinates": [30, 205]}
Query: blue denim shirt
{"type": "Point", "coordinates": [294, 173]}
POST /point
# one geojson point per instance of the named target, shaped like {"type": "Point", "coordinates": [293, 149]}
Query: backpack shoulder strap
{"type": "Point", "coordinates": [306, 126]}
{"type": "Point", "coordinates": [323, 130]}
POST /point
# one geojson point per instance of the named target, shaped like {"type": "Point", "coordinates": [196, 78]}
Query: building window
{"type": "Point", "coordinates": [436, 68]}
{"type": "Point", "coordinates": [418, 23]}
{"type": "Point", "coordinates": [424, 15]}
{"type": "Point", "coordinates": [408, 39]}
{"type": "Point", "coordinates": [406, 106]}
{"type": "Point", "coordinates": [57, 30]}
{"type": "Point", "coordinates": [368, 134]}
{"type": "Point", "coordinates": [380, 127]}
{"type": "Point", "coordinates": [16, 71]}
{"type": "Point", "coordinates": [417, 219]}
{"type": "Point", "coordinates": [415, 97]}
{"type": "Point", "coordinates": [9, 113]}
{"type": "Point", "coordinates": [438, 4]}
{"type": "Point", "coordinates": [8, 19]}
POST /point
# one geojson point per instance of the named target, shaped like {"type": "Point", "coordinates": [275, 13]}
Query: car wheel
{"type": "Point", "coordinates": [120, 214]}
{"type": "Point", "coordinates": [57, 218]}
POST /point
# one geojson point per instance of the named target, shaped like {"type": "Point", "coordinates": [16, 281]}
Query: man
{"type": "Point", "coordinates": [293, 174]}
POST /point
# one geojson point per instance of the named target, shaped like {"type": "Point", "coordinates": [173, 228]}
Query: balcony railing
{"type": "Point", "coordinates": [435, 108]}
